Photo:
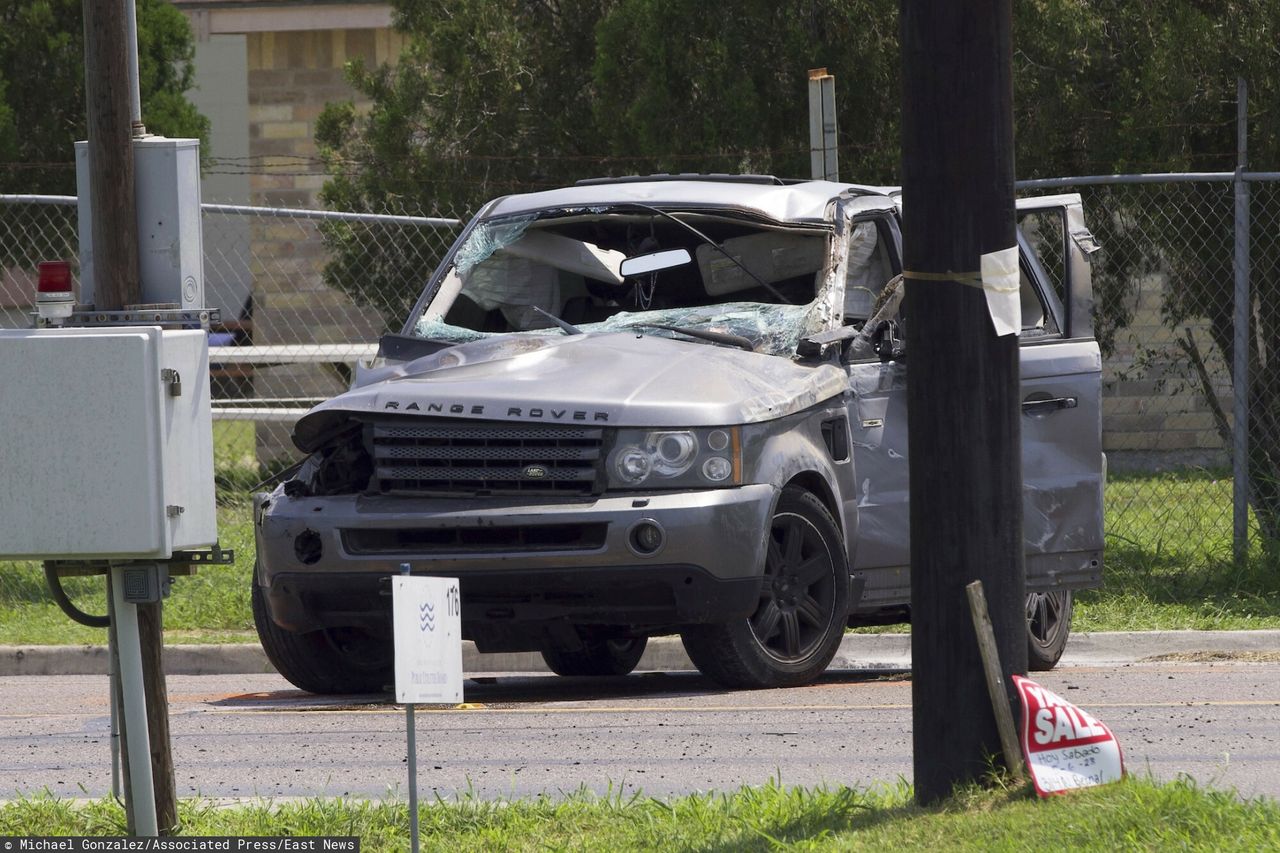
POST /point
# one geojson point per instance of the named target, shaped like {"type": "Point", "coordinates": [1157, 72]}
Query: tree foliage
{"type": "Point", "coordinates": [43, 109]}
{"type": "Point", "coordinates": [729, 83]}
{"type": "Point", "coordinates": [42, 91]}
{"type": "Point", "coordinates": [495, 96]}
{"type": "Point", "coordinates": [498, 96]}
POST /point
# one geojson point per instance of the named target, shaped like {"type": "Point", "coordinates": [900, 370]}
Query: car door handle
{"type": "Point", "coordinates": [1044, 407]}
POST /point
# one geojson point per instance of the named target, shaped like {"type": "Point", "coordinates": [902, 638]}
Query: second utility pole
{"type": "Point", "coordinates": [963, 433]}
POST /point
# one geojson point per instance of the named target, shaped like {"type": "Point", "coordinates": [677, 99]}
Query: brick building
{"type": "Point", "coordinates": [264, 72]}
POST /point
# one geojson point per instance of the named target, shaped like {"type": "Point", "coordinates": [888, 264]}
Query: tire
{"type": "Point", "coordinates": [331, 660]}
{"type": "Point", "coordinates": [1048, 626]}
{"type": "Point", "coordinates": [597, 657]}
{"type": "Point", "coordinates": [804, 604]}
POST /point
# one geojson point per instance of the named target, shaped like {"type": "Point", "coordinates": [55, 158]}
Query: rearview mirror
{"type": "Point", "coordinates": [653, 262]}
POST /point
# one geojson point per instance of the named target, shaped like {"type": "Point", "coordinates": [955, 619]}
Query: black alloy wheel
{"type": "Point", "coordinates": [1048, 626]}
{"type": "Point", "coordinates": [797, 598]}
{"type": "Point", "coordinates": [802, 610]}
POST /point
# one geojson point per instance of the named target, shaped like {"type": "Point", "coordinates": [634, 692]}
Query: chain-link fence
{"type": "Point", "coordinates": [303, 295]}
{"type": "Point", "coordinates": [33, 228]}
{"type": "Point", "coordinates": [311, 292]}
{"type": "Point", "coordinates": [1164, 285]}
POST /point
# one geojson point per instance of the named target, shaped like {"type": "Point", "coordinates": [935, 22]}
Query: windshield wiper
{"type": "Point", "coordinates": [396, 347]}
{"type": "Point", "coordinates": [569, 328]}
{"type": "Point", "coordinates": [713, 244]}
{"type": "Point", "coordinates": [704, 335]}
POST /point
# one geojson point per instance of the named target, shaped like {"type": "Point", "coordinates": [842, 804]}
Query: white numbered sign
{"type": "Point", "coordinates": [427, 625]}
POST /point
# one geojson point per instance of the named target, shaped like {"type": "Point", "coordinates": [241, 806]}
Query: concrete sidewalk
{"type": "Point", "coordinates": [857, 651]}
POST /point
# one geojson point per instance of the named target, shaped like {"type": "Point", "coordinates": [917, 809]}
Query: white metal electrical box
{"type": "Point", "coordinates": [106, 443]}
{"type": "Point", "coordinates": [170, 242]}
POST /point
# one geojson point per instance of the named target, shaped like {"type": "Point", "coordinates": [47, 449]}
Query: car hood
{"type": "Point", "coordinates": [614, 379]}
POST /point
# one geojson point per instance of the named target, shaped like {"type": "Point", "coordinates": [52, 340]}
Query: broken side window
{"type": "Point", "coordinates": [867, 271]}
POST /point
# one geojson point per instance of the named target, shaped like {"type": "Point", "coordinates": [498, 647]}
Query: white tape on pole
{"type": "Point", "coordinates": [1001, 282]}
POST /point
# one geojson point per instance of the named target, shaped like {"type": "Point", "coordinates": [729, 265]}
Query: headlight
{"type": "Point", "coordinates": [633, 465]}
{"type": "Point", "coordinates": [672, 452]}
{"type": "Point", "coordinates": [717, 469]}
{"type": "Point", "coordinates": [676, 458]}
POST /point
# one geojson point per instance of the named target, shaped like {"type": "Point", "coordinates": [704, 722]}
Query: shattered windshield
{"type": "Point", "coordinates": [567, 263]}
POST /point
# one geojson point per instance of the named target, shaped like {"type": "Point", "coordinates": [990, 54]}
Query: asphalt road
{"type": "Point", "coordinates": [664, 734]}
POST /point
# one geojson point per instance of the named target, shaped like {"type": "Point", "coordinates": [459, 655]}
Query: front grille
{"type": "Point", "coordinates": [471, 457]}
{"type": "Point", "coordinates": [476, 540]}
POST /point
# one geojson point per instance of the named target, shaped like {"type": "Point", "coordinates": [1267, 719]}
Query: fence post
{"type": "Point", "coordinates": [1240, 346]}
{"type": "Point", "coordinates": [823, 153]}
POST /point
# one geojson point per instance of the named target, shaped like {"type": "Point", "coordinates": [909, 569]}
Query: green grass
{"type": "Point", "coordinates": [1132, 815]}
{"type": "Point", "coordinates": [1168, 566]}
{"type": "Point", "coordinates": [211, 606]}
{"type": "Point", "coordinates": [234, 447]}
{"type": "Point", "coordinates": [235, 465]}
{"type": "Point", "coordinates": [1169, 563]}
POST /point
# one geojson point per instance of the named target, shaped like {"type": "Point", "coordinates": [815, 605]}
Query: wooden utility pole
{"type": "Point", "coordinates": [151, 633]}
{"type": "Point", "coordinates": [112, 99]}
{"type": "Point", "coordinates": [107, 88]}
{"type": "Point", "coordinates": [964, 434]}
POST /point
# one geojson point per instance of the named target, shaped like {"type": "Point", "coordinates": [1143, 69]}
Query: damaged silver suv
{"type": "Point", "coordinates": [669, 405]}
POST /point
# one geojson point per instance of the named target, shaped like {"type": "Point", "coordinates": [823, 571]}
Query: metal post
{"type": "Point", "coordinates": [112, 676]}
{"type": "Point", "coordinates": [411, 727]}
{"type": "Point", "coordinates": [829, 145]}
{"type": "Point", "coordinates": [133, 696]}
{"type": "Point", "coordinates": [122, 736]}
{"type": "Point", "coordinates": [1240, 345]}
{"type": "Point", "coordinates": [822, 125]}
{"type": "Point", "coordinates": [817, 166]}
{"type": "Point", "coordinates": [131, 44]}
{"type": "Point", "coordinates": [411, 730]}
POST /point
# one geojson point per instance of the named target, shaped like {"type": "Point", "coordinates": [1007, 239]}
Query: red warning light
{"type": "Point", "coordinates": [55, 277]}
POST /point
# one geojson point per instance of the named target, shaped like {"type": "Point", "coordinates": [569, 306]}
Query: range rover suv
{"type": "Point", "coordinates": [670, 405]}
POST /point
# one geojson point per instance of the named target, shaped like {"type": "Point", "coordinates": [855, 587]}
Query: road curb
{"type": "Point", "coordinates": [857, 651]}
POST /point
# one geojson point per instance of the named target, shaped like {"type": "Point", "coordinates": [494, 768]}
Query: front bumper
{"type": "Point", "coordinates": [321, 559]}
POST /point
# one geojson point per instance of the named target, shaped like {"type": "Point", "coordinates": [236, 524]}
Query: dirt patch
{"type": "Point", "coordinates": [1215, 657]}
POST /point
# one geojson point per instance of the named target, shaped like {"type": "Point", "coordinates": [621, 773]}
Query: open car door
{"type": "Point", "coordinates": [1061, 367]}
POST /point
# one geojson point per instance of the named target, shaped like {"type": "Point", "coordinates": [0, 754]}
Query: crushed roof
{"type": "Point", "coordinates": [799, 202]}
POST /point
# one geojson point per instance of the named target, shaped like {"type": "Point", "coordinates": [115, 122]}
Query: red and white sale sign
{"type": "Point", "coordinates": [1065, 747]}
